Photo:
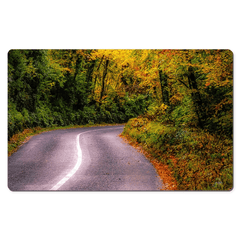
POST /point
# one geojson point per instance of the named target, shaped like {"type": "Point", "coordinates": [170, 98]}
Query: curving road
{"type": "Point", "coordinates": [80, 159]}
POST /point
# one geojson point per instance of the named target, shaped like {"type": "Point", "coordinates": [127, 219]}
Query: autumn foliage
{"type": "Point", "coordinates": [181, 100]}
{"type": "Point", "coordinates": [197, 160]}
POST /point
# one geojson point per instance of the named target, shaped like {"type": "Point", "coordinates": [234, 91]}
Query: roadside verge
{"type": "Point", "coordinates": [163, 171]}
{"type": "Point", "coordinates": [17, 140]}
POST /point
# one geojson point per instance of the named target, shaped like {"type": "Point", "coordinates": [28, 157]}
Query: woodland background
{"type": "Point", "coordinates": [125, 25]}
{"type": "Point", "coordinates": [180, 103]}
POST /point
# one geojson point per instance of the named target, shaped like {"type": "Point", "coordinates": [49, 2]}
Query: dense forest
{"type": "Point", "coordinates": [179, 102]}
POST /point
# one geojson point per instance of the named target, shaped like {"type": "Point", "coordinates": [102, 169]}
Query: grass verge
{"type": "Point", "coordinates": [194, 158]}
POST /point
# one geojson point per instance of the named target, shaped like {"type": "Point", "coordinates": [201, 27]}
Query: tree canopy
{"type": "Point", "coordinates": [194, 87]}
{"type": "Point", "coordinates": [180, 102]}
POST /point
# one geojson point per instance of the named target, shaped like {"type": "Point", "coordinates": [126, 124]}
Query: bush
{"type": "Point", "coordinates": [16, 120]}
{"type": "Point", "coordinates": [89, 115]}
{"type": "Point", "coordinates": [184, 114]}
{"type": "Point", "coordinates": [197, 159]}
{"type": "Point", "coordinates": [43, 116]}
{"type": "Point", "coordinates": [58, 119]}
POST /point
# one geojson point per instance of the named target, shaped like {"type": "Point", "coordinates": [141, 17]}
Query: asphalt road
{"type": "Point", "coordinates": [81, 159]}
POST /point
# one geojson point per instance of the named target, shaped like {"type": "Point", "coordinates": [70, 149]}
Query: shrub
{"type": "Point", "coordinates": [43, 116]}
{"type": "Point", "coordinates": [198, 160]}
{"type": "Point", "coordinates": [15, 120]}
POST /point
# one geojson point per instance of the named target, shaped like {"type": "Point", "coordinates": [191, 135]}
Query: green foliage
{"type": "Point", "coordinates": [15, 120]}
{"type": "Point", "coordinates": [43, 116]}
{"type": "Point", "coordinates": [184, 98]}
{"type": "Point", "coordinates": [135, 105]}
{"type": "Point", "coordinates": [183, 114]}
{"type": "Point", "coordinates": [198, 160]}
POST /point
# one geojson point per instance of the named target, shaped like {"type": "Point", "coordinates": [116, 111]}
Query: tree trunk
{"type": "Point", "coordinates": [164, 86]}
{"type": "Point", "coordinates": [196, 97]}
{"type": "Point", "coordinates": [89, 75]}
{"type": "Point", "coordinates": [78, 64]}
{"type": "Point", "coordinates": [103, 79]}
{"type": "Point", "coordinates": [95, 79]}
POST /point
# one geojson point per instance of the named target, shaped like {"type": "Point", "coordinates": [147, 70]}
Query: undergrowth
{"type": "Point", "coordinates": [197, 160]}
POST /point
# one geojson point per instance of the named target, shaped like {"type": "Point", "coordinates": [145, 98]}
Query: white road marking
{"type": "Point", "coordinates": [79, 161]}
